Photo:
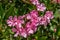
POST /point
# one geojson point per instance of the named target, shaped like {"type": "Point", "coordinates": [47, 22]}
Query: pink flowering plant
{"type": "Point", "coordinates": [29, 19]}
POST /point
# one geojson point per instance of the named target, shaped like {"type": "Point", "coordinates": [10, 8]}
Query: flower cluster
{"type": "Point", "coordinates": [27, 24]}
{"type": "Point", "coordinates": [24, 25]}
{"type": "Point", "coordinates": [40, 6]}
{"type": "Point", "coordinates": [44, 20]}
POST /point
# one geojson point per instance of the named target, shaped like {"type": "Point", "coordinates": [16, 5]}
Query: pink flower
{"type": "Point", "coordinates": [35, 2]}
{"type": "Point", "coordinates": [34, 22]}
{"type": "Point", "coordinates": [16, 34]}
{"type": "Point", "coordinates": [49, 15]}
{"type": "Point", "coordinates": [14, 21]}
{"type": "Point", "coordinates": [14, 29]}
{"type": "Point", "coordinates": [27, 24]}
{"type": "Point", "coordinates": [21, 17]}
{"type": "Point", "coordinates": [10, 21]}
{"type": "Point", "coordinates": [32, 15]}
{"type": "Point", "coordinates": [28, 16]}
{"type": "Point", "coordinates": [58, 1]}
{"type": "Point", "coordinates": [23, 33]}
{"type": "Point", "coordinates": [30, 30]}
{"type": "Point", "coordinates": [29, 27]}
{"type": "Point", "coordinates": [41, 7]}
{"type": "Point", "coordinates": [42, 21]}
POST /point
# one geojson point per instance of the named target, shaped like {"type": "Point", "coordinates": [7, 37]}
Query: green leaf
{"type": "Point", "coordinates": [57, 13]}
{"type": "Point", "coordinates": [43, 38]}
